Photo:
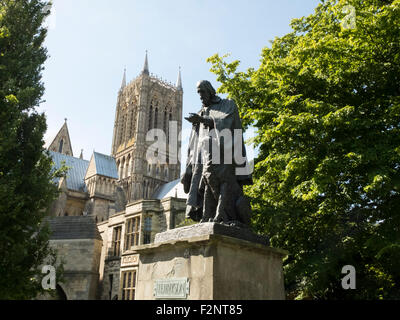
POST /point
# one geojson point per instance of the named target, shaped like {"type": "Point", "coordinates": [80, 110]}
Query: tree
{"type": "Point", "coordinates": [326, 105]}
{"type": "Point", "coordinates": [26, 188]}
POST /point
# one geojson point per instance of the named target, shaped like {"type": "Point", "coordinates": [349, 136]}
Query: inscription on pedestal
{"type": "Point", "coordinates": [171, 288]}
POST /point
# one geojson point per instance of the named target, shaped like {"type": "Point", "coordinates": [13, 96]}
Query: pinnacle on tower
{"type": "Point", "coordinates": [146, 65]}
{"type": "Point", "coordinates": [123, 85]}
{"type": "Point", "coordinates": [179, 80]}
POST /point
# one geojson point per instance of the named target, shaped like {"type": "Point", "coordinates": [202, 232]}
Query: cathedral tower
{"type": "Point", "coordinates": [146, 103]}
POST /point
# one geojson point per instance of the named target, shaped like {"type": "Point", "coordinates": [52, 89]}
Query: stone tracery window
{"type": "Point", "coordinates": [156, 118]}
{"type": "Point", "coordinates": [122, 130]}
{"type": "Point", "coordinates": [165, 122]}
{"type": "Point", "coordinates": [133, 125]}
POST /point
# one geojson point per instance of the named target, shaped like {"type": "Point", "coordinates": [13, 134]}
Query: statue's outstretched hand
{"type": "Point", "coordinates": [194, 118]}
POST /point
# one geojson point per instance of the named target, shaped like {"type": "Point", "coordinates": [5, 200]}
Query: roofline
{"type": "Point", "coordinates": [69, 138]}
{"type": "Point", "coordinates": [101, 175]}
{"type": "Point", "coordinates": [65, 155]}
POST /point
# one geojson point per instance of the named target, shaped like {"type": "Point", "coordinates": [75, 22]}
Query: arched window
{"type": "Point", "coordinates": [150, 116]}
{"type": "Point", "coordinates": [144, 190]}
{"type": "Point", "coordinates": [156, 118]}
{"type": "Point", "coordinates": [60, 147]}
{"type": "Point", "coordinates": [170, 119]}
{"type": "Point", "coordinates": [133, 122]}
{"type": "Point", "coordinates": [120, 130]}
{"type": "Point", "coordinates": [123, 129]}
{"type": "Point", "coordinates": [165, 121]}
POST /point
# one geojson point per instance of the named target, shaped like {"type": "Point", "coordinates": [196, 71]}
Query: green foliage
{"type": "Point", "coordinates": [26, 190]}
{"type": "Point", "coordinates": [326, 104]}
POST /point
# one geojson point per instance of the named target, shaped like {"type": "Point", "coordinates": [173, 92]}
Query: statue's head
{"type": "Point", "coordinates": [206, 92]}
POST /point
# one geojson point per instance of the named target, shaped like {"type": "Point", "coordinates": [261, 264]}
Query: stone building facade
{"type": "Point", "coordinates": [136, 225]}
{"type": "Point", "coordinates": [130, 195]}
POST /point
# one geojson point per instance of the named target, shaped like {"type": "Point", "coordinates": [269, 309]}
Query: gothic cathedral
{"type": "Point", "coordinates": [146, 103]}
{"type": "Point", "coordinates": [113, 203]}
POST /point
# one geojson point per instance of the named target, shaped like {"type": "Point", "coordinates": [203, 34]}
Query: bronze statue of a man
{"type": "Point", "coordinates": [216, 167]}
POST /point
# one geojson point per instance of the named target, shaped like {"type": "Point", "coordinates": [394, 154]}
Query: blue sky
{"type": "Point", "coordinates": [90, 42]}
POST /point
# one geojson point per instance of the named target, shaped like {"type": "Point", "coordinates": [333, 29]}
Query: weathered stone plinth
{"type": "Point", "coordinates": [218, 262]}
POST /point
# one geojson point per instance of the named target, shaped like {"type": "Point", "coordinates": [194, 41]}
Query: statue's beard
{"type": "Point", "coordinates": [209, 102]}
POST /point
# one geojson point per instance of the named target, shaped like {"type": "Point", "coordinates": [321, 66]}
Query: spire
{"type": "Point", "coordinates": [146, 65]}
{"type": "Point", "coordinates": [179, 80]}
{"type": "Point", "coordinates": [81, 156]}
{"type": "Point", "coordinates": [123, 85]}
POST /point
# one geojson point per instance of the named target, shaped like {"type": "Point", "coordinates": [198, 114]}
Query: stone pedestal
{"type": "Point", "coordinates": [209, 261]}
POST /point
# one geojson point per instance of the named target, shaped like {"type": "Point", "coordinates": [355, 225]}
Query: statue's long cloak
{"type": "Point", "coordinates": [225, 115]}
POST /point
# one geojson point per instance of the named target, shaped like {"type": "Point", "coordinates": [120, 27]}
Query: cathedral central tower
{"type": "Point", "coordinates": [146, 103]}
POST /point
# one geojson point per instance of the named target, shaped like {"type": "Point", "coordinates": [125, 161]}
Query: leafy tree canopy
{"type": "Point", "coordinates": [26, 189]}
{"type": "Point", "coordinates": [326, 105]}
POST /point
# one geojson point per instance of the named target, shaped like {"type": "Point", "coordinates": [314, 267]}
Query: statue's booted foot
{"type": "Point", "coordinates": [220, 218]}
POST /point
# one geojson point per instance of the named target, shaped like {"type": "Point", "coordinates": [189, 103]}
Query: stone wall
{"type": "Point", "coordinates": [165, 214]}
{"type": "Point", "coordinates": [111, 279]}
{"type": "Point", "coordinates": [81, 259]}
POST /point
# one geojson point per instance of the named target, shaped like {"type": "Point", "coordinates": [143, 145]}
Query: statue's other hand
{"type": "Point", "coordinates": [187, 179]}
